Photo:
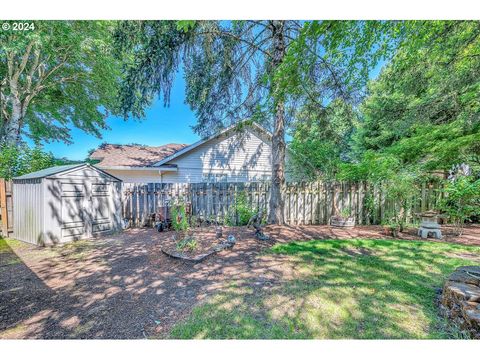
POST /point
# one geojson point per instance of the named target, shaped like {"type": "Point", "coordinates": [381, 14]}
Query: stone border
{"type": "Point", "coordinates": [200, 257]}
{"type": "Point", "coordinates": [460, 299]}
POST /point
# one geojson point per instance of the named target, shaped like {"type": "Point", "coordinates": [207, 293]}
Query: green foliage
{"type": "Point", "coordinates": [462, 200]}
{"type": "Point", "coordinates": [424, 107]}
{"type": "Point", "coordinates": [179, 216]}
{"type": "Point", "coordinates": [346, 213]}
{"type": "Point", "coordinates": [240, 212]}
{"type": "Point", "coordinates": [382, 291]}
{"type": "Point", "coordinates": [185, 25]}
{"type": "Point", "coordinates": [187, 244]}
{"type": "Point", "coordinates": [70, 78]}
{"type": "Point", "coordinates": [19, 160]}
{"type": "Point", "coordinates": [320, 141]}
{"type": "Point", "coordinates": [373, 166]}
{"type": "Point", "coordinates": [230, 69]}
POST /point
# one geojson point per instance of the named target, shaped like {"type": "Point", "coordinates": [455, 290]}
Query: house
{"type": "Point", "coordinates": [237, 154]}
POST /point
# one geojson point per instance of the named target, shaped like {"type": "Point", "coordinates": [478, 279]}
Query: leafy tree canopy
{"type": "Point", "coordinates": [424, 108]}
{"type": "Point", "coordinates": [259, 70]}
{"type": "Point", "coordinates": [59, 75]}
{"type": "Point", "coordinates": [18, 160]}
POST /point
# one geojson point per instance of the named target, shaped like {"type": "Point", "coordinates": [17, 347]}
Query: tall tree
{"type": "Point", "coordinates": [321, 140]}
{"type": "Point", "coordinates": [260, 70]}
{"type": "Point", "coordinates": [424, 108]}
{"type": "Point", "coordinates": [61, 73]}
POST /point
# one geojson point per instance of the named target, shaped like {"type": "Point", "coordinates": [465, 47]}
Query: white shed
{"type": "Point", "coordinates": [65, 203]}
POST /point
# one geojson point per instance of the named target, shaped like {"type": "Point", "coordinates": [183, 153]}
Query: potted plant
{"type": "Point", "coordinates": [391, 227]}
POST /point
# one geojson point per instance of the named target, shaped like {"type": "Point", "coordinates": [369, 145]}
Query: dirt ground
{"type": "Point", "coordinates": [124, 287]}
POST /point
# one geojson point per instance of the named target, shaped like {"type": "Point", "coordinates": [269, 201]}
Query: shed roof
{"type": "Point", "coordinates": [47, 172]}
{"type": "Point", "coordinates": [57, 170]}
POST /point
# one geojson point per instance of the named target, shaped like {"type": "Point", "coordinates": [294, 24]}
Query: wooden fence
{"type": "Point", "coordinates": [305, 203]}
{"type": "Point", "coordinates": [6, 208]}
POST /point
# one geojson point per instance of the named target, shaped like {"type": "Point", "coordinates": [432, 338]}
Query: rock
{"type": "Point", "coordinates": [461, 299]}
{"type": "Point", "coordinates": [462, 292]}
{"type": "Point", "coordinates": [467, 275]}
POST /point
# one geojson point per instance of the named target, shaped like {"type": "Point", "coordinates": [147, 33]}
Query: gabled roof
{"type": "Point", "coordinates": [189, 148]}
{"type": "Point", "coordinates": [56, 170]}
{"type": "Point", "coordinates": [48, 172]}
{"type": "Point", "coordinates": [111, 155]}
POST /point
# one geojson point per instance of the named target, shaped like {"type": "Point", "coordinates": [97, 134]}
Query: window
{"type": "Point", "coordinates": [209, 177]}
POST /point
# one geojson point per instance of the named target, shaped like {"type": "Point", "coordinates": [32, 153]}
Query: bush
{"type": "Point", "coordinates": [240, 212]}
{"type": "Point", "coordinates": [462, 200]}
{"type": "Point", "coordinates": [19, 160]}
{"type": "Point", "coordinates": [188, 244]}
{"type": "Point", "coordinates": [179, 217]}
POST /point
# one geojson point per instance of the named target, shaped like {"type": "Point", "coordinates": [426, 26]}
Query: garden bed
{"type": "Point", "coordinates": [194, 245]}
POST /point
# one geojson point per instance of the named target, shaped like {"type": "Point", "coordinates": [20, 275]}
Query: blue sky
{"type": "Point", "coordinates": [161, 126]}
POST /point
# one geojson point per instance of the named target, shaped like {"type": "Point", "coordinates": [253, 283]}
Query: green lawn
{"type": "Point", "coordinates": [373, 289]}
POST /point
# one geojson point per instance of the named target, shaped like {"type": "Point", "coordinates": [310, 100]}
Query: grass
{"type": "Point", "coordinates": [9, 249]}
{"type": "Point", "coordinates": [367, 289]}
{"type": "Point", "coordinates": [7, 256]}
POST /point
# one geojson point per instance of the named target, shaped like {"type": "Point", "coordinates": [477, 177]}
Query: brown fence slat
{"type": "Point", "coordinates": [305, 203]}
{"type": "Point", "coordinates": [6, 207]}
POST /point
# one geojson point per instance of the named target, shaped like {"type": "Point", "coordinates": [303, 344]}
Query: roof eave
{"type": "Point", "coordinates": [141, 168]}
{"type": "Point", "coordinates": [203, 141]}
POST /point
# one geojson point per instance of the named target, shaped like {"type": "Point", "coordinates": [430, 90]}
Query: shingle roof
{"type": "Point", "coordinates": [48, 172]}
{"type": "Point", "coordinates": [133, 155]}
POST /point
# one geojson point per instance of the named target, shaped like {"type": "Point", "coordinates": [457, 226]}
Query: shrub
{"type": "Point", "coordinates": [19, 160]}
{"type": "Point", "coordinates": [240, 212]}
{"type": "Point", "coordinates": [462, 200]}
{"type": "Point", "coordinates": [188, 244]}
{"type": "Point", "coordinates": [179, 216]}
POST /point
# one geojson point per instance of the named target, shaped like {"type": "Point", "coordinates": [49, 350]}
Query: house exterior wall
{"type": "Point", "coordinates": [136, 176]}
{"type": "Point", "coordinates": [233, 157]}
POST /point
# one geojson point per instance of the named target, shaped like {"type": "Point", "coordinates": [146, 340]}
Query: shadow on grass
{"type": "Point", "coordinates": [123, 287]}
{"type": "Point", "coordinates": [367, 289]}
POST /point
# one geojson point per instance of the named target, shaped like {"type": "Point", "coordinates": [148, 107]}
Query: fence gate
{"type": "Point", "coordinates": [6, 208]}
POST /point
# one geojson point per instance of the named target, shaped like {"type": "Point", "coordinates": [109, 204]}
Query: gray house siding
{"type": "Point", "coordinates": [233, 156]}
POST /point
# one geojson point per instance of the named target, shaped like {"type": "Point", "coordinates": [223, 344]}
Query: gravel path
{"type": "Point", "coordinates": [123, 287]}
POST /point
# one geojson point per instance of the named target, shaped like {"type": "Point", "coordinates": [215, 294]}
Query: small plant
{"type": "Point", "coordinates": [345, 213]}
{"type": "Point", "coordinates": [392, 226]}
{"type": "Point", "coordinates": [240, 213]}
{"type": "Point", "coordinates": [179, 217]}
{"type": "Point", "coordinates": [187, 244]}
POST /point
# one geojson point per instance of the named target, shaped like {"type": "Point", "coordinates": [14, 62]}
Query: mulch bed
{"type": "Point", "coordinates": [206, 244]}
{"type": "Point", "coordinates": [470, 236]}
{"type": "Point", "coordinates": [124, 287]}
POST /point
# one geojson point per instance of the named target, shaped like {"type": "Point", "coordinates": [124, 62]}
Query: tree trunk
{"type": "Point", "coordinates": [11, 124]}
{"type": "Point", "coordinates": [11, 131]}
{"type": "Point", "coordinates": [276, 202]}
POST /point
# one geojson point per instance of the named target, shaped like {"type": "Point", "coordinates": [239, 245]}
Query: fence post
{"type": "Point", "coordinates": [3, 207]}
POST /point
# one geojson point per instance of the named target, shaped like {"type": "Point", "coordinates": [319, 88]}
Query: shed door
{"type": "Point", "coordinates": [101, 213]}
{"type": "Point", "coordinates": [73, 213]}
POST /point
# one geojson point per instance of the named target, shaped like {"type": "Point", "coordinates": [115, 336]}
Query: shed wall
{"type": "Point", "coordinates": [28, 211]}
{"type": "Point", "coordinates": [78, 204]}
